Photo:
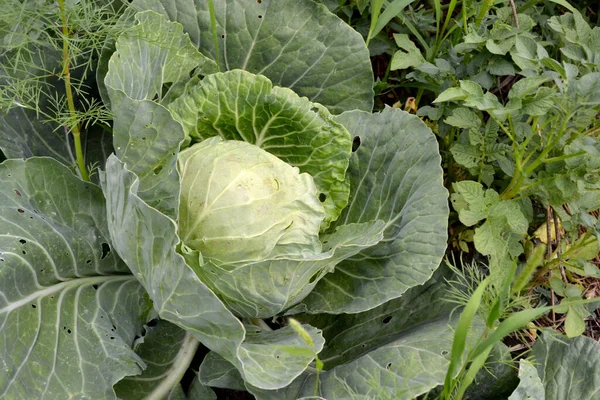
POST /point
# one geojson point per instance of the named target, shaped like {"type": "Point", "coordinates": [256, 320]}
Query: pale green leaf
{"type": "Point", "coordinates": [215, 371]}
{"type": "Point", "coordinates": [133, 84]}
{"type": "Point", "coordinates": [69, 307]}
{"type": "Point", "coordinates": [463, 118]}
{"type": "Point", "coordinates": [146, 240]}
{"type": "Point", "coordinates": [409, 54]}
{"type": "Point", "coordinates": [266, 288]}
{"type": "Point", "coordinates": [151, 54]}
{"type": "Point", "coordinates": [509, 213]}
{"type": "Point", "coordinates": [530, 387]}
{"type": "Point", "coordinates": [398, 350]}
{"type": "Point", "coordinates": [492, 238]}
{"type": "Point", "coordinates": [500, 47]}
{"type": "Point", "coordinates": [278, 357]}
{"type": "Point", "coordinates": [526, 87]}
{"type": "Point", "coordinates": [574, 323]}
{"type": "Point", "coordinates": [500, 67]}
{"type": "Point", "coordinates": [588, 89]}
{"type": "Point", "coordinates": [466, 155]}
{"type": "Point", "coordinates": [451, 94]}
{"type": "Point", "coordinates": [396, 177]}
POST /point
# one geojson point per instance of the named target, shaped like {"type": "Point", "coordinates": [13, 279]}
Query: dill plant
{"type": "Point", "coordinates": [47, 62]}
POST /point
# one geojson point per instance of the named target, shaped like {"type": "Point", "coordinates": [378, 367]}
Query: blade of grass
{"type": "Point", "coordinates": [376, 6]}
{"type": "Point", "coordinates": [438, 16]}
{"type": "Point", "coordinates": [418, 35]}
{"type": "Point", "coordinates": [388, 14]}
{"type": "Point", "coordinates": [469, 377]}
{"type": "Point", "coordinates": [526, 273]}
{"type": "Point", "coordinates": [565, 4]}
{"type": "Point", "coordinates": [375, 12]}
{"type": "Point", "coordinates": [503, 297]}
{"type": "Point", "coordinates": [460, 335]}
{"type": "Point", "coordinates": [451, 8]}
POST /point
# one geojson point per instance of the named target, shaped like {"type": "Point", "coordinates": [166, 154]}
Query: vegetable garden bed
{"type": "Point", "coordinates": [279, 199]}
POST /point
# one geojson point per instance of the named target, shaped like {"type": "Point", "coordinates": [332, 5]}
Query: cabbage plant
{"type": "Point", "coordinates": [250, 183]}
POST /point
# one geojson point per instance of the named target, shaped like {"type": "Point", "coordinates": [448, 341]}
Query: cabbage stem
{"type": "Point", "coordinates": [180, 365]}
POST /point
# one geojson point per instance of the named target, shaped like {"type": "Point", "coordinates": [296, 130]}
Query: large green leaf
{"type": "Point", "coordinates": [28, 125]}
{"type": "Point", "coordinates": [398, 350]}
{"type": "Point", "coordinates": [395, 176]}
{"type": "Point", "coordinates": [297, 44]}
{"type": "Point", "coordinates": [568, 368]}
{"type": "Point", "coordinates": [69, 308]}
{"type": "Point", "coordinates": [238, 105]}
{"type": "Point", "coordinates": [23, 131]}
{"type": "Point", "coordinates": [215, 371]}
{"type": "Point", "coordinates": [286, 344]}
{"type": "Point", "coordinates": [153, 53]}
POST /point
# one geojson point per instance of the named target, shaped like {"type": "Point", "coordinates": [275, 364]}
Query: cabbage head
{"type": "Point", "coordinates": [240, 203]}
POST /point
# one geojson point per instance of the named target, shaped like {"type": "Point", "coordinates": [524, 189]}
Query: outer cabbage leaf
{"type": "Point", "coordinates": [278, 357]}
{"type": "Point", "coordinates": [26, 127]}
{"type": "Point", "coordinates": [395, 176]}
{"type": "Point", "coordinates": [69, 308]}
{"type": "Point", "coordinates": [151, 54]}
{"type": "Point", "coordinates": [398, 350]}
{"type": "Point", "coordinates": [198, 391]}
{"type": "Point", "coordinates": [297, 44]}
{"type": "Point", "coordinates": [238, 105]}
{"type": "Point", "coordinates": [531, 386]}
{"type": "Point", "coordinates": [266, 288]}
{"type": "Point", "coordinates": [285, 343]}
{"type": "Point", "coordinates": [569, 368]}
{"type": "Point", "coordinates": [215, 371]}
{"type": "Point", "coordinates": [24, 135]}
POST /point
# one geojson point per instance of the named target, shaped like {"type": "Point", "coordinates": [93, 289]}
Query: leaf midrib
{"type": "Point", "coordinates": [62, 286]}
